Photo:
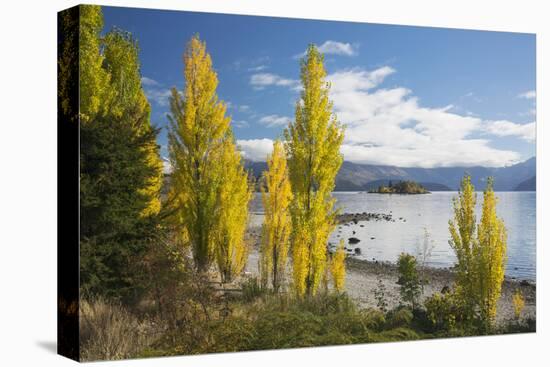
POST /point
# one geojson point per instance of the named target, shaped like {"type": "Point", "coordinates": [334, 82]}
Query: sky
{"type": "Point", "coordinates": [408, 96]}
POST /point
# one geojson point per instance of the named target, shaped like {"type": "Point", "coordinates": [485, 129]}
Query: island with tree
{"type": "Point", "coordinates": [401, 187]}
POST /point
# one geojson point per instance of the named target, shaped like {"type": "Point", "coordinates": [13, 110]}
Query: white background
{"type": "Point", "coordinates": [28, 182]}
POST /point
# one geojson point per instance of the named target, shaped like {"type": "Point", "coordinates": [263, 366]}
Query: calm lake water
{"type": "Point", "coordinates": [384, 241]}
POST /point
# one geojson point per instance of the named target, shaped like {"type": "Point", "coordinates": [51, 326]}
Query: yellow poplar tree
{"type": "Point", "coordinates": [462, 230]}
{"type": "Point", "coordinates": [338, 267]}
{"type": "Point", "coordinates": [93, 78]}
{"type": "Point", "coordinates": [198, 129]}
{"type": "Point", "coordinates": [312, 143]}
{"type": "Point", "coordinates": [276, 196]}
{"type": "Point", "coordinates": [490, 256]}
{"type": "Point", "coordinates": [126, 98]}
{"type": "Point", "coordinates": [233, 198]}
{"type": "Point", "coordinates": [481, 253]}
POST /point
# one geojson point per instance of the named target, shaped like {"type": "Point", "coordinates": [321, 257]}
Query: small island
{"type": "Point", "coordinates": [401, 187]}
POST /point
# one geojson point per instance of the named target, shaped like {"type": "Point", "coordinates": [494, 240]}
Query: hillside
{"type": "Point", "coordinates": [527, 185]}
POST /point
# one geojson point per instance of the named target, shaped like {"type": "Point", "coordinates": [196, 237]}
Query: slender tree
{"type": "Point", "coordinates": [198, 127]}
{"type": "Point", "coordinates": [480, 249]}
{"type": "Point", "coordinates": [338, 267]}
{"type": "Point", "coordinates": [312, 143]}
{"type": "Point", "coordinates": [490, 257]}
{"type": "Point", "coordinates": [232, 212]}
{"type": "Point", "coordinates": [462, 229]}
{"type": "Point", "coordinates": [276, 196]}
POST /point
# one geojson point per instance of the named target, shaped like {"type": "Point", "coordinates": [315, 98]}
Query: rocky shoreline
{"type": "Point", "coordinates": [348, 218]}
{"type": "Point", "coordinates": [363, 277]}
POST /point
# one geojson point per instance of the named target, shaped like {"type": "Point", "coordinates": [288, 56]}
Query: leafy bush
{"type": "Point", "coordinates": [393, 335]}
{"type": "Point", "coordinates": [408, 279]}
{"type": "Point", "coordinates": [399, 317]}
{"type": "Point", "coordinates": [375, 319]}
{"type": "Point", "coordinates": [440, 311]}
{"type": "Point", "coordinates": [519, 303]}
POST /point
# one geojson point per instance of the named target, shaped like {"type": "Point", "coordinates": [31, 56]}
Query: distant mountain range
{"type": "Point", "coordinates": [527, 185]}
{"type": "Point", "coordinates": [363, 177]}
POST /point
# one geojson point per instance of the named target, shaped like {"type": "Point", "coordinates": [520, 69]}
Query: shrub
{"type": "Point", "coordinates": [399, 334]}
{"type": "Point", "coordinates": [519, 303]}
{"type": "Point", "coordinates": [375, 319]}
{"type": "Point", "coordinates": [440, 311]}
{"type": "Point", "coordinates": [251, 289]}
{"type": "Point", "coordinates": [408, 279]}
{"type": "Point", "coordinates": [399, 317]}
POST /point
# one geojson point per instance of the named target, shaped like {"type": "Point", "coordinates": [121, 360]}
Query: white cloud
{"type": "Point", "coordinates": [357, 79]}
{"type": "Point", "coordinates": [167, 166]}
{"type": "Point", "coordinates": [531, 95]}
{"type": "Point", "coordinates": [240, 123]}
{"type": "Point", "coordinates": [255, 150]}
{"type": "Point", "coordinates": [161, 96]}
{"type": "Point", "coordinates": [257, 68]}
{"type": "Point", "coordinates": [389, 126]}
{"type": "Point", "coordinates": [244, 108]}
{"type": "Point", "coordinates": [274, 120]}
{"type": "Point", "coordinates": [262, 80]}
{"type": "Point", "coordinates": [526, 132]}
{"type": "Point", "coordinates": [149, 82]}
{"type": "Point", "coordinates": [337, 48]}
{"type": "Point", "coordinates": [156, 92]}
{"type": "Point", "coordinates": [528, 95]}
{"type": "Point", "coordinates": [333, 48]}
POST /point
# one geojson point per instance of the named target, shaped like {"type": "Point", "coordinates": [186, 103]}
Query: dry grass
{"type": "Point", "coordinates": [108, 331]}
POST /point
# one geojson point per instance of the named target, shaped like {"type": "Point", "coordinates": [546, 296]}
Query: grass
{"type": "Point", "coordinates": [109, 331]}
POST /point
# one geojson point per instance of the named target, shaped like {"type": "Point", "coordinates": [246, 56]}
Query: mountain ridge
{"type": "Point", "coordinates": [359, 177]}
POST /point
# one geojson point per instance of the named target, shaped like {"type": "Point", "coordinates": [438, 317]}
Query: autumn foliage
{"type": "Point", "coordinates": [209, 186]}
{"type": "Point", "coordinates": [276, 196]}
{"type": "Point", "coordinates": [480, 249]}
{"type": "Point", "coordinates": [313, 151]}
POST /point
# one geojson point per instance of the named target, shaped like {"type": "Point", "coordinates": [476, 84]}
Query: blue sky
{"type": "Point", "coordinates": [409, 96]}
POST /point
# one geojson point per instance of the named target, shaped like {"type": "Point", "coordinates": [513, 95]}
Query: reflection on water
{"type": "Point", "coordinates": [384, 240]}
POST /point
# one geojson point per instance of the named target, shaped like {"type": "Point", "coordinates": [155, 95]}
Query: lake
{"type": "Point", "coordinates": [385, 240]}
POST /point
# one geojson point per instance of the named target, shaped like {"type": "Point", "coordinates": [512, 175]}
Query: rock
{"type": "Point", "coordinates": [353, 240]}
{"type": "Point", "coordinates": [524, 283]}
{"type": "Point", "coordinates": [357, 251]}
{"type": "Point", "coordinates": [361, 225]}
{"type": "Point", "coordinates": [372, 238]}
{"type": "Point", "coordinates": [354, 233]}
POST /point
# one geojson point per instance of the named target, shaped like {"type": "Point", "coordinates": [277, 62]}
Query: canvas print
{"type": "Point", "coordinates": [232, 183]}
